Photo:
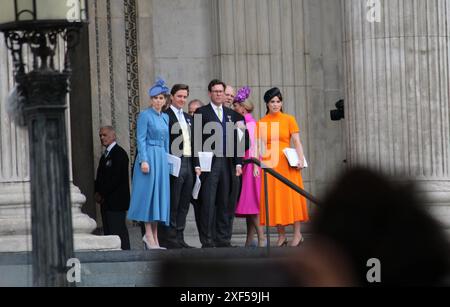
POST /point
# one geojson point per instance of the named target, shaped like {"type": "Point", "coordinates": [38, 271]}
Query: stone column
{"type": "Point", "coordinates": [15, 213]}
{"type": "Point", "coordinates": [294, 45]}
{"type": "Point", "coordinates": [263, 44]}
{"type": "Point", "coordinates": [397, 92]}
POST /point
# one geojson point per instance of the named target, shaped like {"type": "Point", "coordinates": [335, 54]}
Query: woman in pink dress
{"type": "Point", "coordinates": [249, 201]}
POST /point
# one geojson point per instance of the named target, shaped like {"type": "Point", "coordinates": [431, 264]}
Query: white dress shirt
{"type": "Point", "coordinates": [185, 131]}
{"type": "Point", "coordinates": [109, 148]}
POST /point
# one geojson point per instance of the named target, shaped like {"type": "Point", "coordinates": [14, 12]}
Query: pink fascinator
{"type": "Point", "coordinates": [242, 94]}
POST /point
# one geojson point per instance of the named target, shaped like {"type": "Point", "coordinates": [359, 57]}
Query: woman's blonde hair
{"type": "Point", "coordinates": [248, 105]}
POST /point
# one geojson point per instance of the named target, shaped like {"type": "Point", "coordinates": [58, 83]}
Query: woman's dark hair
{"type": "Point", "coordinates": [179, 87]}
{"type": "Point", "coordinates": [280, 96]}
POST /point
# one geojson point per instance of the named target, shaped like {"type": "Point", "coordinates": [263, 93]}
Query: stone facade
{"type": "Point", "coordinates": [256, 43]}
{"type": "Point", "coordinates": [15, 202]}
{"type": "Point", "coordinates": [397, 93]}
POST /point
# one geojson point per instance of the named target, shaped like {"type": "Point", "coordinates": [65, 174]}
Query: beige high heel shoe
{"type": "Point", "coordinates": [284, 244]}
{"type": "Point", "coordinates": [302, 239]}
{"type": "Point", "coordinates": [148, 246]}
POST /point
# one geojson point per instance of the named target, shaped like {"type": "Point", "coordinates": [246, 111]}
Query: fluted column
{"type": "Point", "coordinates": [15, 213]}
{"type": "Point", "coordinates": [294, 45]}
{"type": "Point", "coordinates": [262, 44]}
{"type": "Point", "coordinates": [397, 92]}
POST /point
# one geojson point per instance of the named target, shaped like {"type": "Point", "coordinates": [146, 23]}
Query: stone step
{"type": "Point", "coordinates": [82, 242]}
{"type": "Point", "coordinates": [156, 268]}
{"type": "Point", "coordinates": [239, 226]}
{"type": "Point", "coordinates": [191, 238]}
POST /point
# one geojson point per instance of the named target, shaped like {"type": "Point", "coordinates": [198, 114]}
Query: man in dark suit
{"type": "Point", "coordinates": [217, 125]}
{"type": "Point", "coordinates": [236, 183]}
{"type": "Point", "coordinates": [112, 187]}
{"type": "Point", "coordinates": [181, 145]}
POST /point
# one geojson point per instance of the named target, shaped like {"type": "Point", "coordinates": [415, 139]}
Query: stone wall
{"type": "Point", "coordinates": [15, 196]}
{"type": "Point", "coordinates": [292, 44]}
{"type": "Point", "coordinates": [295, 45]}
{"type": "Point", "coordinates": [397, 93]}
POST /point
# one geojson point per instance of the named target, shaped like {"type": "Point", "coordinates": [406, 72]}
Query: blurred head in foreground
{"type": "Point", "coordinates": [383, 229]}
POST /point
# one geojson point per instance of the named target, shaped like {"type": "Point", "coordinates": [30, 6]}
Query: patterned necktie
{"type": "Point", "coordinates": [219, 112]}
{"type": "Point", "coordinates": [106, 153]}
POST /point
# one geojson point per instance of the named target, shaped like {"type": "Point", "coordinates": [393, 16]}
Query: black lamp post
{"type": "Point", "coordinates": [42, 89]}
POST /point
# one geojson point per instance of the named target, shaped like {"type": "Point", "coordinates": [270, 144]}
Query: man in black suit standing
{"type": "Point", "coordinates": [217, 125]}
{"type": "Point", "coordinates": [181, 145]}
{"type": "Point", "coordinates": [236, 184]}
{"type": "Point", "coordinates": [112, 187]}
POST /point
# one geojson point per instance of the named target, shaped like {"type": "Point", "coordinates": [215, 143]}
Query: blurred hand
{"type": "Point", "coordinates": [238, 171]}
{"type": "Point", "coordinates": [98, 198]}
{"type": "Point", "coordinates": [198, 172]}
{"type": "Point", "coordinates": [145, 168]}
{"type": "Point", "coordinates": [241, 125]}
{"type": "Point", "coordinates": [301, 164]}
{"type": "Point", "coordinates": [256, 172]}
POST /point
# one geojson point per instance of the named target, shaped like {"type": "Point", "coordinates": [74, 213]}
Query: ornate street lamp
{"type": "Point", "coordinates": [36, 26]}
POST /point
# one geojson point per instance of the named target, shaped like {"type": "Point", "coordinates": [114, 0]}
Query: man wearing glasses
{"type": "Point", "coordinates": [216, 218]}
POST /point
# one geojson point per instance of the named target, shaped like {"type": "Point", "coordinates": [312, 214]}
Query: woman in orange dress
{"type": "Point", "coordinates": [275, 132]}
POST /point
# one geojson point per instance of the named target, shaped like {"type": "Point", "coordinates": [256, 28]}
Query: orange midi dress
{"type": "Point", "coordinates": [285, 205]}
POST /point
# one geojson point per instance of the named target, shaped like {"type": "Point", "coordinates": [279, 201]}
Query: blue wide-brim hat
{"type": "Point", "coordinates": [158, 88]}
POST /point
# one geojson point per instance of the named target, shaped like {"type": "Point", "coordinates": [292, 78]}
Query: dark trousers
{"type": "Point", "coordinates": [196, 205]}
{"type": "Point", "coordinates": [214, 211]}
{"type": "Point", "coordinates": [114, 225]}
{"type": "Point", "coordinates": [180, 197]}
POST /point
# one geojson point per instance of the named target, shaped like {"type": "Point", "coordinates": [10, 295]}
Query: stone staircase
{"type": "Point", "coordinates": [192, 238]}
{"type": "Point", "coordinates": [183, 267]}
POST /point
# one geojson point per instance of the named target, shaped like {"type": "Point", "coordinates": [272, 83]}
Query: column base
{"type": "Point", "coordinates": [15, 215]}
{"type": "Point", "coordinates": [436, 197]}
{"type": "Point", "coordinates": [83, 243]}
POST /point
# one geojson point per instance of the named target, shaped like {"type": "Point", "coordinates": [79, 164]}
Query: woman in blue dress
{"type": "Point", "coordinates": [150, 194]}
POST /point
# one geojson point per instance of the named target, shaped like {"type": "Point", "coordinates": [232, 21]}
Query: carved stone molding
{"type": "Point", "coordinates": [131, 37]}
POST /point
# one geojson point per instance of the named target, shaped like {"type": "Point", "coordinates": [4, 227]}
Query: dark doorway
{"type": "Point", "coordinates": [81, 122]}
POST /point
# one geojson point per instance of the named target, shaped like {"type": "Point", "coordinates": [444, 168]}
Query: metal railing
{"type": "Point", "coordinates": [266, 170]}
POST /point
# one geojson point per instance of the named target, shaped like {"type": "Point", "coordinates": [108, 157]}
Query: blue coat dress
{"type": "Point", "coordinates": [150, 194]}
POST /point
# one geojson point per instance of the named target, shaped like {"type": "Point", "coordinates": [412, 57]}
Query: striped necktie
{"type": "Point", "coordinates": [219, 112]}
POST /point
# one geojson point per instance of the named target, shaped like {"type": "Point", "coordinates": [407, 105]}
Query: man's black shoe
{"type": "Point", "coordinates": [171, 245]}
{"type": "Point", "coordinates": [224, 244]}
{"type": "Point", "coordinates": [208, 245]}
{"type": "Point", "coordinates": [183, 244]}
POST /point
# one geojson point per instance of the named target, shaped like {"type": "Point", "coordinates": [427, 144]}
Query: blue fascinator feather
{"type": "Point", "coordinates": [158, 88]}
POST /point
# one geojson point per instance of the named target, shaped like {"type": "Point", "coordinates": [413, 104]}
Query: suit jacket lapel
{"type": "Point", "coordinates": [213, 113]}
{"type": "Point", "coordinates": [188, 120]}
{"type": "Point", "coordinates": [172, 116]}
{"type": "Point", "coordinates": [227, 115]}
{"type": "Point", "coordinates": [102, 161]}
